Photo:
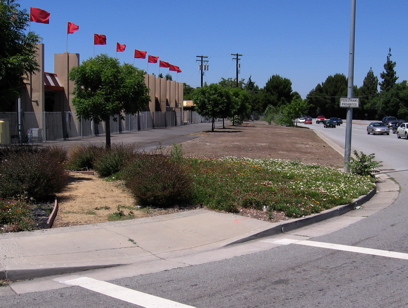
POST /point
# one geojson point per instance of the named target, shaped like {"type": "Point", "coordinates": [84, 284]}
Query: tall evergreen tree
{"type": "Point", "coordinates": [367, 94]}
{"type": "Point", "coordinates": [325, 98]}
{"type": "Point", "coordinates": [278, 91]}
{"type": "Point", "coordinates": [389, 76]}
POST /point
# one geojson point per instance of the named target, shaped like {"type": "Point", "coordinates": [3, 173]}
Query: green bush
{"type": "Point", "coordinates": [156, 180]}
{"type": "Point", "coordinates": [34, 173]}
{"type": "Point", "coordinates": [364, 164]}
{"type": "Point", "coordinates": [113, 160]}
{"type": "Point", "coordinates": [83, 157]}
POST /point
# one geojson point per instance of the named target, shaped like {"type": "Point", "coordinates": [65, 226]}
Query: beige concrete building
{"type": "Point", "coordinates": [47, 109]}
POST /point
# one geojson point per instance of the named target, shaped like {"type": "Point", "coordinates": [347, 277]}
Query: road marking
{"type": "Point", "coordinates": [124, 294]}
{"type": "Point", "coordinates": [368, 251]}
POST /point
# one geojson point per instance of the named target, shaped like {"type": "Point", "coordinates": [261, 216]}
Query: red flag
{"type": "Point", "coordinates": [120, 47]}
{"type": "Point", "coordinates": [152, 59]}
{"type": "Point", "coordinates": [99, 39]}
{"type": "Point", "coordinates": [39, 15]}
{"type": "Point", "coordinates": [164, 64]}
{"type": "Point", "coordinates": [140, 54]}
{"type": "Point", "coordinates": [72, 27]}
{"type": "Point", "coordinates": [174, 68]}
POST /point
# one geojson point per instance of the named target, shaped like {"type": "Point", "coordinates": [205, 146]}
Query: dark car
{"type": "Point", "coordinates": [390, 121]}
{"type": "Point", "coordinates": [337, 120]}
{"type": "Point", "coordinates": [330, 123]}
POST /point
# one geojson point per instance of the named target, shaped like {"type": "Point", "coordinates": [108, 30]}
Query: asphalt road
{"type": "Point", "coordinates": [364, 264]}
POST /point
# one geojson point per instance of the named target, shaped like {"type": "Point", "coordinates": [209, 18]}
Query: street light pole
{"type": "Point", "coordinates": [350, 90]}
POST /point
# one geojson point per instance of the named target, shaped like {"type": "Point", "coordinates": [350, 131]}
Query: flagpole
{"type": "Point", "coordinates": [67, 42]}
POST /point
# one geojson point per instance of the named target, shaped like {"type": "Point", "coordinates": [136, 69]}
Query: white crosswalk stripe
{"type": "Point", "coordinates": [368, 251]}
{"type": "Point", "coordinates": [122, 293]}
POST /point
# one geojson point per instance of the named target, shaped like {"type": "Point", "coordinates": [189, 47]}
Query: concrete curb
{"type": "Point", "coordinates": [306, 221]}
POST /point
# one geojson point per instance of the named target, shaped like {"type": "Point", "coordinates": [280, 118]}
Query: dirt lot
{"type": "Point", "coordinates": [89, 199]}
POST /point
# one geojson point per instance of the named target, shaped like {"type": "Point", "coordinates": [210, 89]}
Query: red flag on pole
{"type": "Point", "coordinates": [174, 68]}
{"type": "Point", "coordinates": [164, 64]}
{"type": "Point", "coordinates": [140, 54]}
{"type": "Point", "coordinates": [72, 27]}
{"type": "Point", "coordinates": [152, 59]}
{"type": "Point", "coordinates": [120, 47]}
{"type": "Point", "coordinates": [99, 39]}
{"type": "Point", "coordinates": [39, 15]}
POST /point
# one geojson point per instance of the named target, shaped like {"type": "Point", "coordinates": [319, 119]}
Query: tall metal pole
{"type": "Point", "coordinates": [350, 90]}
{"type": "Point", "coordinates": [237, 58]}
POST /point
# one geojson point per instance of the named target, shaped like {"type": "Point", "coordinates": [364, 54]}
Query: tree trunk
{"type": "Point", "coordinates": [108, 134]}
{"type": "Point", "coordinates": [212, 124]}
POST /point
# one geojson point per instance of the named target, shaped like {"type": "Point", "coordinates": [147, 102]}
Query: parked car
{"type": "Point", "coordinates": [390, 121]}
{"type": "Point", "coordinates": [378, 128]}
{"type": "Point", "coordinates": [330, 123]}
{"type": "Point", "coordinates": [320, 119]}
{"type": "Point", "coordinates": [337, 120]}
{"type": "Point", "coordinates": [300, 120]}
{"type": "Point", "coordinates": [402, 130]}
{"type": "Point", "coordinates": [308, 121]}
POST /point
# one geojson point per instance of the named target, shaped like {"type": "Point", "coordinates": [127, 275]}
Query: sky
{"type": "Point", "coordinates": [304, 41]}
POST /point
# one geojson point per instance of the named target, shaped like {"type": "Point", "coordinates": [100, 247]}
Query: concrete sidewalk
{"type": "Point", "coordinates": [41, 253]}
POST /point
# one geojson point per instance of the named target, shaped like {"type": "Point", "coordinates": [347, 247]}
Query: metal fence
{"type": "Point", "coordinates": [61, 125]}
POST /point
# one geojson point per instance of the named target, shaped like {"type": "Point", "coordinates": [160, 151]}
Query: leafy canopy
{"type": "Point", "coordinates": [104, 88]}
{"type": "Point", "coordinates": [17, 52]}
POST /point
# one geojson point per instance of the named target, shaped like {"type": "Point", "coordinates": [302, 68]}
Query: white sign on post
{"type": "Point", "coordinates": [349, 102]}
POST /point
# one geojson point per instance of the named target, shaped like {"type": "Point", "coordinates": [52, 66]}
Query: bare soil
{"type": "Point", "coordinates": [90, 199]}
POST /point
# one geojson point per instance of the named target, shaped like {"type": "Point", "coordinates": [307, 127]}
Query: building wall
{"type": "Point", "coordinates": [164, 94]}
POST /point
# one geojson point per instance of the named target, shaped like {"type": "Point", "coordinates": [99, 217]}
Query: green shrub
{"type": "Point", "coordinates": [83, 157]}
{"type": "Point", "coordinates": [156, 180]}
{"type": "Point", "coordinates": [364, 164]}
{"type": "Point", "coordinates": [17, 215]}
{"type": "Point", "coordinates": [32, 174]}
{"type": "Point", "coordinates": [113, 160]}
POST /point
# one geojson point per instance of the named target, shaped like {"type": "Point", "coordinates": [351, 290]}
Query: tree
{"type": "Point", "coordinates": [278, 91]}
{"type": "Point", "coordinates": [169, 77]}
{"type": "Point", "coordinates": [241, 107]}
{"type": "Point", "coordinates": [105, 89]}
{"type": "Point", "coordinates": [188, 91]}
{"type": "Point", "coordinates": [325, 98]}
{"type": "Point", "coordinates": [231, 83]}
{"type": "Point", "coordinates": [389, 76]}
{"type": "Point", "coordinates": [294, 109]}
{"type": "Point", "coordinates": [254, 96]}
{"type": "Point", "coordinates": [367, 94]}
{"type": "Point", "coordinates": [17, 52]}
{"type": "Point", "coordinates": [394, 102]}
{"type": "Point", "coordinates": [213, 101]}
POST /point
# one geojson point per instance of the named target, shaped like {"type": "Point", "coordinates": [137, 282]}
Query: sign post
{"type": "Point", "coordinates": [350, 94]}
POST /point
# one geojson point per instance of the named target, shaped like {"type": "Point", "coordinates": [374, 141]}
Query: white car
{"type": "Point", "coordinates": [402, 130]}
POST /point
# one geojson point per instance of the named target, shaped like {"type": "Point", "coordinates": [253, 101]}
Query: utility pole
{"type": "Point", "coordinates": [203, 66]}
{"type": "Point", "coordinates": [237, 65]}
{"type": "Point", "coordinates": [350, 90]}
